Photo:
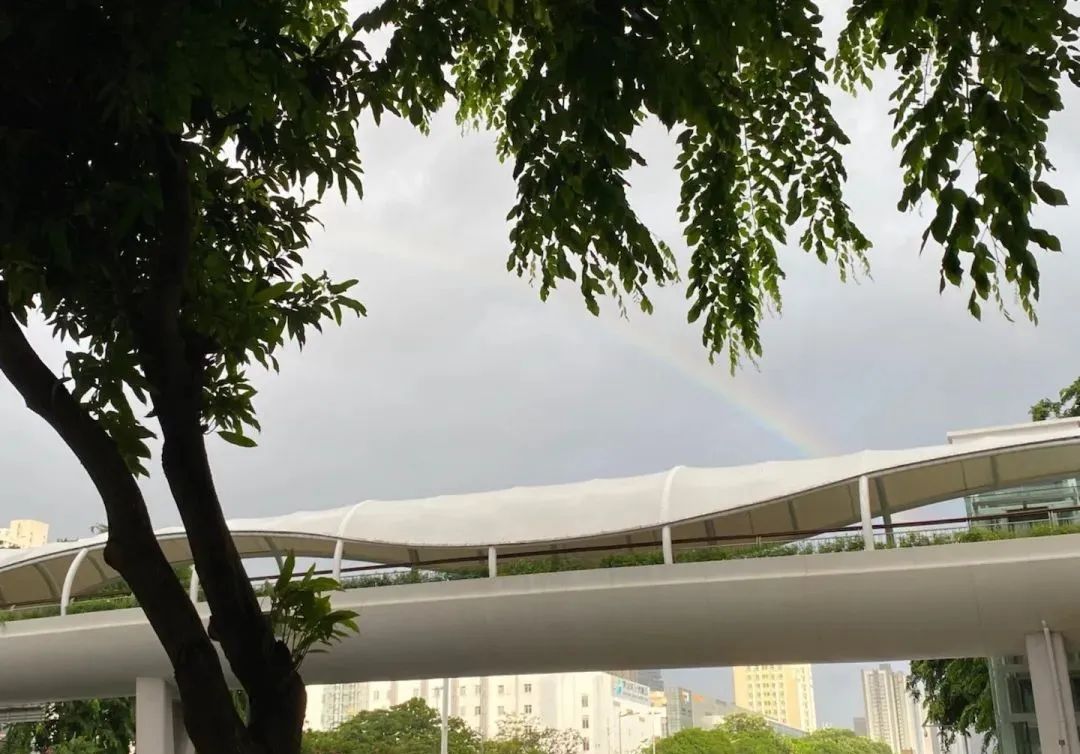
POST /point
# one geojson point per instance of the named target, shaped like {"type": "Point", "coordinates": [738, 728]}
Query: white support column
{"type": "Point", "coordinates": [864, 512]}
{"type": "Point", "coordinates": [193, 585]}
{"type": "Point", "coordinates": [154, 732]}
{"type": "Point", "coordinates": [444, 728]}
{"type": "Point", "coordinates": [493, 562]}
{"type": "Point", "coordinates": [1050, 686]}
{"type": "Point", "coordinates": [339, 550]}
{"type": "Point", "coordinates": [665, 541]}
{"type": "Point", "coordinates": [69, 580]}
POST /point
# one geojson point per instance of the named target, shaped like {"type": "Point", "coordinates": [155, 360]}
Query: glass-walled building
{"type": "Point", "coordinates": [1052, 503]}
{"type": "Point", "coordinates": [1047, 503]}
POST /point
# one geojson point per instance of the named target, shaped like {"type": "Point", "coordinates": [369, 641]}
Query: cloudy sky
{"type": "Point", "coordinates": [461, 380]}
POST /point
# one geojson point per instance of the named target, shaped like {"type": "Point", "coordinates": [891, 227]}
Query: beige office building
{"type": "Point", "coordinates": [784, 693]}
{"type": "Point", "coordinates": [22, 533]}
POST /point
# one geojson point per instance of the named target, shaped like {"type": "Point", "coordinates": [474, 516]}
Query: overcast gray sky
{"type": "Point", "coordinates": [460, 379]}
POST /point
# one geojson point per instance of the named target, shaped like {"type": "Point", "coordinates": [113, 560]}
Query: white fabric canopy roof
{"type": "Point", "coordinates": [738, 501]}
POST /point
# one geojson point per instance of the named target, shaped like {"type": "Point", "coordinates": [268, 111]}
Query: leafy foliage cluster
{"type": "Point", "coordinates": [409, 728]}
{"type": "Point", "coordinates": [750, 734]}
{"type": "Point", "coordinates": [979, 82]}
{"type": "Point", "coordinates": [302, 615]}
{"type": "Point", "coordinates": [957, 697]}
{"type": "Point", "coordinates": [1066, 405]}
{"type": "Point", "coordinates": [191, 125]}
{"type": "Point", "coordinates": [94, 726]}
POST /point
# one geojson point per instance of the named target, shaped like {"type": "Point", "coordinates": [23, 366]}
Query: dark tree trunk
{"type": "Point", "coordinates": [172, 360]}
{"type": "Point", "coordinates": [132, 548]}
{"type": "Point", "coordinates": [172, 363]}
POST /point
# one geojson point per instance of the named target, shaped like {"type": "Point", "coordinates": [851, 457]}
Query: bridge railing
{"type": "Point", "coordinates": [902, 534]}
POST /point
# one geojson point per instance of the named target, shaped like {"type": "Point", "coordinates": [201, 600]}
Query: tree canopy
{"type": "Point", "coordinates": [520, 734]}
{"type": "Point", "coordinates": [414, 728]}
{"type": "Point", "coordinates": [696, 741]}
{"type": "Point", "coordinates": [957, 697]}
{"type": "Point", "coordinates": [1067, 404]}
{"type": "Point", "coordinates": [838, 741]}
{"type": "Point", "coordinates": [409, 728]}
{"type": "Point", "coordinates": [94, 726]}
{"type": "Point", "coordinates": [162, 165]}
{"type": "Point", "coordinates": [736, 734]}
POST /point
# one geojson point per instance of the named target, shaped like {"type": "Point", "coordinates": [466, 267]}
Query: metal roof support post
{"type": "Point", "coordinates": [864, 512]}
{"type": "Point", "coordinates": [69, 580]}
{"type": "Point", "coordinates": [493, 564]}
{"type": "Point", "coordinates": [886, 514]}
{"type": "Point", "coordinates": [193, 585]}
{"type": "Point", "coordinates": [665, 510]}
{"type": "Point", "coordinates": [339, 550]}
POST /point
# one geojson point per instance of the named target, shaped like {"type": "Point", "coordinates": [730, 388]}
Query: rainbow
{"type": "Point", "coordinates": [684, 354]}
{"type": "Point", "coordinates": [765, 408]}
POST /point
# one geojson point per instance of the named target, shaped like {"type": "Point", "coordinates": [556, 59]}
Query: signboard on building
{"type": "Point", "coordinates": [629, 691]}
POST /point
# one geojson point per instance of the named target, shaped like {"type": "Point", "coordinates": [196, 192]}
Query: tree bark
{"type": "Point", "coordinates": [132, 549]}
{"type": "Point", "coordinates": [173, 366]}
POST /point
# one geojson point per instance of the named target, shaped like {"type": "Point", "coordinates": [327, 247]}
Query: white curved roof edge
{"type": "Point", "coordinates": [777, 496]}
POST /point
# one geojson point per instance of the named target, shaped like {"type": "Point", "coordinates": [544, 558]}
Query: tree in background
{"type": "Point", "coordinates": [737, 734]}
{"type": "Point", "coordinates": [838, 741]}
{"type": "Point", "coordinates": [956, 696]}
{"type": "Point", "coordinates": [95, 726]}
{"type": "Point", "coordinates": [696, 741]}
{"type": "Point", "coordinates": [520, 735]}
{"type": "Point", "coordinates": [751, 734]}
{"type": "Point", "coordinates": [409, 728]}
{"type": "Point", "coordinates": [162, 164]}
{"type": "Point", "coordinates": [1066, 405]}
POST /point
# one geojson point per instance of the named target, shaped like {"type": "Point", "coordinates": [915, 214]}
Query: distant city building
{"type": "Point", "coordinates": [612, 715]}
{"type": "Point", "coordinates": [654, 679]}
{"type": "Point", "coordinates": [892, 714]}
{"type": "Point", "coordinates": [783, 693]}
{"type": "Point", "coordinates": [23, 533]}
{"type": "Point", "coordinates": [680, 709]}
{"type": "Point", "coordinates": [29, 713]}
{"type": "Point", "coordinates": [859, 726]}
{"type": "Point", "coordinates": [686, 709]}
{"type": "Point", "coordinates": [721, 710]}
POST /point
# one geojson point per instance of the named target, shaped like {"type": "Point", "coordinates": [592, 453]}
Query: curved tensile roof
{"type": "Point", "coordinates": [736, 501]}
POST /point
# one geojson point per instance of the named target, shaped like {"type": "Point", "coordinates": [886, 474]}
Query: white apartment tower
{"type": "Point", "coordinates": [892, 715]}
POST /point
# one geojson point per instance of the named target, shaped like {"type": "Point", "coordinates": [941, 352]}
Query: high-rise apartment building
{"type": "Point", "coordinates": [22, 533]}
{"type": "Point", "coordinates": [892, 714]}
{"type": "Point", "coordinates": [784, 693]}
{"type": "Point", "coordinates": [612, 715]}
